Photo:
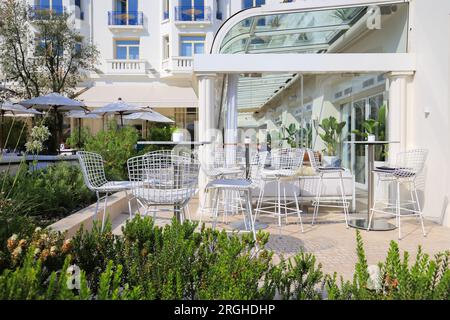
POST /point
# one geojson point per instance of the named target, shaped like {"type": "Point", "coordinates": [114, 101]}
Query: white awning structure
{"type": "Point", "coordinates": [154, 96]}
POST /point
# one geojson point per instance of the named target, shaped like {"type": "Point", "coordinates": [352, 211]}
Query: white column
{"type": "Point", "coordinates": [231, 120]}
{"type": "Point", "coordinates": [397, 112]}
{"type": "Point", "coordinates": [206, 111]}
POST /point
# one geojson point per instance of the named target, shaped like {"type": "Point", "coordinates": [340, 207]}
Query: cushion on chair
{"type": "Point", "coordinates": [305, 172]}
{"type": "Point", "coordinates": [229, 184]}
{"type": "Point", "coordinates": [115, 186]}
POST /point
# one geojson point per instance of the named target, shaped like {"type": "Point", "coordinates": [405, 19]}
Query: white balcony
{"type": "Point", "coordinates": [178, 65]}
{"type": "Point", "coordinates": [126, 67]}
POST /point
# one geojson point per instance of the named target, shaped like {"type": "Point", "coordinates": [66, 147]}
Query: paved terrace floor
{"type": "Point", "coordinates": [329, 240]}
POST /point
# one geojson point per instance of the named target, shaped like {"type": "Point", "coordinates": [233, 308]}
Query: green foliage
{"type": "Point", "coordinates": [290, 134]}
{"type": "Point", "coordinates": [47, 194]}
{"type": "Point", "coordinates": [370, 128]}
{"type": "Point", "coordinates": [426, 279]}
{"type": "Point", "coordinates": [56, 61]}
{"type": "Point", "coordinates": [177, 262]}
{"type": "Point", "coordinates": [14, 134]}
{"type": "Point", "coordinates": [78, 138]}
{"type": "Point", "coordinates": [331, 136]}
{"type": "Point", "coordinates": [376, 127]}
{"type": "Point", "coordinates": [300, 277]}
{"type": "Point", "coordinates": [159, 132]}
{"type": "Point", "coordinates": [116, 145]}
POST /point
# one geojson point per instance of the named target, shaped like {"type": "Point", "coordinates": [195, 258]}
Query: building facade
{"type": "Point", "coordinates": [146, 50]}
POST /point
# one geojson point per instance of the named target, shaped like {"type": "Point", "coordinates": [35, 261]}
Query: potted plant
{"type": "Point", "coordinates": [290, 134]}
{"type": "Point", "coordinates": [331, 136]}
{"type": "Point", "coordinates": [370, 127]}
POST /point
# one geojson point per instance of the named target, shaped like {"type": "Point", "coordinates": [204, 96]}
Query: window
{"type": "Point", "coordinates": [127, 49]}
{"type": "Point", "coordinates": [191, 10]}
{"type": "Point", "coordinates": [126, 13]}
{"type": "Point", "coordinates": [246, 4]}
{"type": "Point", "coordinates": [190, 45]}
{"type": "Point", "coordinates": [55, 6]}
{"type": "Point", "coordinates": [166, 47]}
{"type": "Point", "coordinates": [166, 9]}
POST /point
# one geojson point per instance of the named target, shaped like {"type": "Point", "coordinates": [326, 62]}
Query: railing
{"type": "Point", "coordinates": [178, 64]}
{"type": "Point", "coordinates": [192, 13]}
{"type": "Point", "coordinates": [131, 18]}
{"type": "Point", "coordinates": [39, 12]}
{"type": "Point", "coordinates": [117, 66]}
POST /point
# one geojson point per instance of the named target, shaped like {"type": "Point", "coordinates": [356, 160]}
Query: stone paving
{"type": "Point", "coordinates": [329, 239]}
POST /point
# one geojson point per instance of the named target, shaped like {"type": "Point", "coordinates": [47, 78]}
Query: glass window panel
{"type": "Point", "coordinates": [127, 42]}
{"type": "Point", "coordinates": [199, 48]}
{"type": "Point", "coordinates": [134, 53]}
{"type": "Point", "coordinates": [186, 50]}
{"type": "Point", "coordinates": [133, 5]}
{"type": "Point", "coordinates": [121, 53]}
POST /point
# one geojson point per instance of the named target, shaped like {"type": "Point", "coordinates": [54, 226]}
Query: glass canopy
{"type": "Point", "coordinates": [297, 32]}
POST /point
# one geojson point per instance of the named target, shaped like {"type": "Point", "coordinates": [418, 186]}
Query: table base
{"type": "Point", "coordinates": [377, 225]}
{"type": "Point", "coordinates": [240, 225]}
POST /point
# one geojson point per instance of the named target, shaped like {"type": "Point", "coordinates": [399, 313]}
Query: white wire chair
{"type": "Point", "coordinates": [95, 179]}
{"type": "Point", "coordinates": [161, 179]}
{"type": "Point", "coordinates": [328, 172]}
{"type": "Point", "coordinates": [215, 168]}
{"type": "Point", "coordinates": [286, 163]}
{"type": "Point", "coordinates": [408, 166]}
{"type": "Point", "coordinates": [243, 188]}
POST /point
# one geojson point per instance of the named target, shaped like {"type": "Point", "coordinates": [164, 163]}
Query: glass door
{"type": "Point", "coordinates": [359, 166]}
{"type": "Point", "coordinates": [367, 108]}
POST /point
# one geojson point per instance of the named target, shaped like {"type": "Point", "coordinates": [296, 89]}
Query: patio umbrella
{"type": "Point", "coordinates": [119, 107]}
{"type": "Point", "coordinates": [81, 115]}
{"type": "Point", "coordinates": [14, 109]}
{"type": "Point", "coordinates": [56, 102]}
{"type": "Point", "coordinates": [148, 114]}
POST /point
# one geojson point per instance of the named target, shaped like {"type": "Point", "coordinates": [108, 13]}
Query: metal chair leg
{"type": "Point", "coordinates": [317, 202]}
{"type": "Point", "coordinates": [216, 208]}
{"type": "Point", "coordinates": [419, 209]}
{"type": "Point", "coordinates": [96, 206]}
{"type": "Point", "coordinates": [249, 210]}
{"type": "Point", "coordinates": [104, 211]}
{"type": "Point", "coordinates": [298, 210]}
{"type": "Point", "coordinates": [344, 202]}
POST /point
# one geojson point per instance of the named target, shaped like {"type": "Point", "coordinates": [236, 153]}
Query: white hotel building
{"type": "Point", "coordinates": [258, 64]}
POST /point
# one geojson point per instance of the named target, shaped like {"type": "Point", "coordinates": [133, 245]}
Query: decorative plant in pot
{"type": "Point", "coordinates": [370, 128]}
{"type": "Point", "coordinates": [373, 129]}
{"type": "Point", "coordinates": [331, 136]}
{"type": "Point", "coordinates": [290, 135]}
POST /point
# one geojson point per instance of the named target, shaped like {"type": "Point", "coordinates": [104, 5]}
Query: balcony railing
{"type": "Point", "coordinates": [117, 66]}
{"type": "Point", "coordinates": [177, 65]}
{"type": "Point", "coordinates": [194, 13]}
{"type": "Point", "coordinates": [40, 12]}
{"type": "Point", "coordinates": [131, 18]}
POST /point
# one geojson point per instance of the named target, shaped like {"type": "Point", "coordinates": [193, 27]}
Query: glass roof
{"type": "Point", "coordinates": [312, 31]}
{"type": "Point", "coordinates": [299, 32]}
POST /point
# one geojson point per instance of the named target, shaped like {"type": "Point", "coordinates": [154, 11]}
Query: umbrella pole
{"type": "Point", "coordinates": [121, 119]}
{"type": "Point", "coordinates": [1, 131]}
{"type": "Point", "coordinates": [79, 133]}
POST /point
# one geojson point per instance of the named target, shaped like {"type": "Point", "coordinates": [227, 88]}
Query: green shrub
{"type": "Point", "coordinates": [47, 194]}
{"type": "Point", "coordinates": [425, 279]}
{"type": "Point", "coordinates": [116, 145]}
{"type": "Point", "coordinates": [78, 138]}
{"type": "Point", "coordinates": [177, 262]}
{"type": "Point", "coordinates": [15, 134]}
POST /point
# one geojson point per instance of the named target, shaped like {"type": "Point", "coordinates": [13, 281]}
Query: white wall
{"type": "Point", "coordinates": [430, 40]}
